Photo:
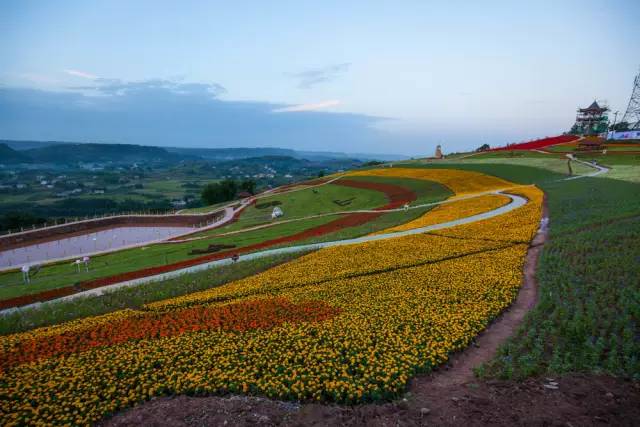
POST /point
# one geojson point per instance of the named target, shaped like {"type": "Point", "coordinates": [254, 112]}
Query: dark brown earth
{"type": "Point", "coordinates": [578, 401]}
{"type": "Point", "coordinates": [451, 396]}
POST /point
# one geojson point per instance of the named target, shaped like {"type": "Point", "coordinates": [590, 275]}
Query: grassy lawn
{"type": "Point", "coordinates": [625, 167]}
{"type": "Point", "coordinates": [550, 162]}
{"type": "Point", "coordinates": [136, 296]}
{"type": "Point", "coordinates": [210, 208]}
{"type": "Point", "coordinates": [303, 203]}
{"type": "Point", "coordinates": [569, 148]}
{"type": "Point", "coordinates": [426, 191]}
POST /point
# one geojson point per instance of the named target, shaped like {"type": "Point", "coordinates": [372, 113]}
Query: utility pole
{"type": "Point", "coordinates": [615, 119]}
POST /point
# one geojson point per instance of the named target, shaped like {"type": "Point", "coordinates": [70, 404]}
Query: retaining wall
{"type": "Point", "coordinates": [30, 237]}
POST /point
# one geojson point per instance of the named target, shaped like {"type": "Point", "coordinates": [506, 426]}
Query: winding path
{"type": "Point", "coordinates": [516, 202]}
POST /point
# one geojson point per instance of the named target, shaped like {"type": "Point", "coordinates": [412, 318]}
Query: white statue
{"type": "Point", "coordinates": [277, 212]}
{"type": "Point", "coordinates": [25, 274]}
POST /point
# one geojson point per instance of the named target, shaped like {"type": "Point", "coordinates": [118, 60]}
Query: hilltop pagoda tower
{"type": "Point", "coordinates": [592, 120]}
{"type": "Point", "coordinates": [439, 152]}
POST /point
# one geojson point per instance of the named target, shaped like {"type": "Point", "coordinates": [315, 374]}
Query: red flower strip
{"type": "Point", "coordinates": [243, 316]}
{"type": "Point", "coordinates": [538, 143]}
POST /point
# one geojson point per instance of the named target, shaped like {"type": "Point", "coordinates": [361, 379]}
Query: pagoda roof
{"type": "Point", "coordinates": [593, 107]}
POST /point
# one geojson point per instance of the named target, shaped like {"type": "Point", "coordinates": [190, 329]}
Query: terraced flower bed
{"type": "Point", "coordinates": [395, 195]}
{"type": "Point", "coordinates": [344, 324]}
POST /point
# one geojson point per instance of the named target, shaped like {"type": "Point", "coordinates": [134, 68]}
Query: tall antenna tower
{"type": "Point", "coordinates": [632, 115]}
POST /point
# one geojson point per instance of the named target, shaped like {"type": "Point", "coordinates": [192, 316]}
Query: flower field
{"type": "Point", "coordinates": [344, 324]}
{"type": "Point", "coordinates": [454, 210]}
{"type": "Point", "coordinates": [459, 181]}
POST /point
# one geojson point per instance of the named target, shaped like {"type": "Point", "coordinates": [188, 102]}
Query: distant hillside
{"type": "Point", "coordinates": [326, 155]}
{"type": "Point", "coordinates": [73, 152]}
{"type": "Point", "coordinates": [10, 156]}
{"type": "Point", "coordinates": [99, 153]}
{"type": "Point", "coordinates": [222, 154]}
{"type": "Point", "coordinates": [270, 160]}
{"type": "Point", "coordinates": [27, 145]}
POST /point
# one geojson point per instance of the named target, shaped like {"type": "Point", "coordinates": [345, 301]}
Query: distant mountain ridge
{"type": "Point", "coordinates": [98, 153]}
{"type": "Point", "coordinates": [74, 152]}
{"type": "Point", "coordinates": [221, 154]}
{"type": "Point", "coordinates": [10, 156]}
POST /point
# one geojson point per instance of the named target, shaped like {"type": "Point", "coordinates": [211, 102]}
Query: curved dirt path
{"type": "Point", "coordinates": [460, 366]}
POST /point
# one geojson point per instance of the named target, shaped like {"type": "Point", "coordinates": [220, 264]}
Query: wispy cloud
{"type": "Point", "coordinates": [120, 87]}
{"type": "Point", "coordinates": [81, 74]}
{"type": "Point", "coordinates": [308, 107]}
{"type": "Point", "coordinates": [314, 76]}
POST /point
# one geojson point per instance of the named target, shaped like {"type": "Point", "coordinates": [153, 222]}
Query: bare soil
{"type": "Point", "coordinates": [451, 396]}
{"type": "Point", "coordinates": [578, 401]}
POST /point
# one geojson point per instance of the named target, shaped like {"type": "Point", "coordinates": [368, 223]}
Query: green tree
{"type": "Point", "coordinates": [16, 220]}
{"type": "Point", "coordinates": [248, 185]}
{"type": "Point", "coordinates": [622, 126]}
{"type": "Point", "coordinates": [217, 192]}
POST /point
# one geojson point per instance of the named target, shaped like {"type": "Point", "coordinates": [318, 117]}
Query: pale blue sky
{"type": "Point", "coordinates": [450, 72]}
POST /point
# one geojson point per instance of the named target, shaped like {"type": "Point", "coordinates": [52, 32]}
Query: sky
{"type": "Point", "coordinates": [377, 77]}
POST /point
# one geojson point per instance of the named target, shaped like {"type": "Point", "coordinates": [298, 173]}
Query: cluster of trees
{"type": "Point", "coordinates": [372, 163]}
{"type": "Point", "coordinates": [17, 220]}
{"type": "Point", "coordinates": [226, 190]}
{"type": "Point", "coordinates": [620, 127]}
{"type": "Point", "coordinates": [16, 215]}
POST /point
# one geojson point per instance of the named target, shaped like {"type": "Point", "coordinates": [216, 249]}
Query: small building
{"type": "Point", "coordinates": [439, 152]}
{"type": "Point", "coordinates": [592, 120]}
{"type": "Point", "coordinates": [591, 144]}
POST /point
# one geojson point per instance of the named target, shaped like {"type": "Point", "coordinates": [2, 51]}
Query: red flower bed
{"type": "Point", "coordinates": [256, 314]}
{"type": "Point", "coordinates": [539, 143]}
{"type": "Point", "coordinates": [37, 297]}
{"type": "Point", "coordinates": [397, 196]}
